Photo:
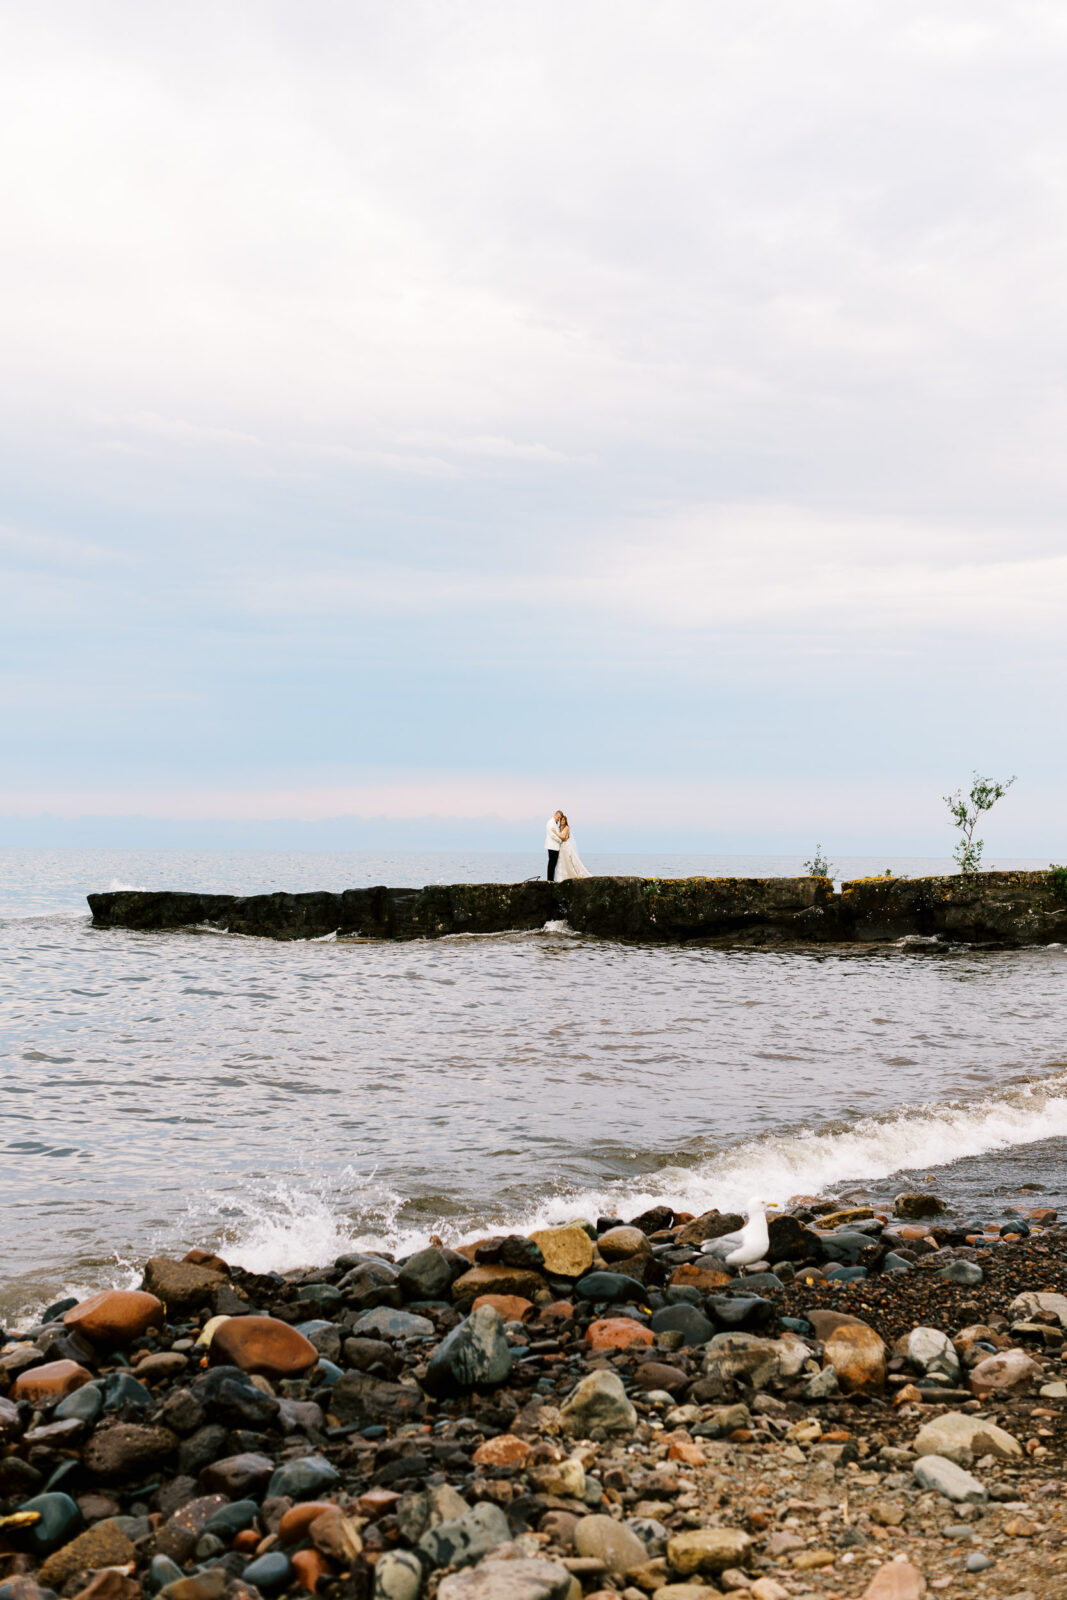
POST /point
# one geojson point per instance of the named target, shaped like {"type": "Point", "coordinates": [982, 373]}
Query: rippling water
{"type": "Point", "coordinates": [284, 1100]}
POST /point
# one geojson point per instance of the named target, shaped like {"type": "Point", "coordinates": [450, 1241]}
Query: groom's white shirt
{"type": "Point", "coordinates": [553, 837]}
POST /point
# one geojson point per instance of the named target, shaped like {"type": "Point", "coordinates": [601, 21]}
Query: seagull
{"type": "Point", "coordinates": [750, 1244]}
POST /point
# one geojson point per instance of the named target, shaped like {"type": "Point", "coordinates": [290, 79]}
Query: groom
{"type": "Point", "coordinates": [553, 842]}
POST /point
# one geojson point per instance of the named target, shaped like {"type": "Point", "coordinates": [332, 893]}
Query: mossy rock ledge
{"type": "Point", "coordinates": [993, 908]}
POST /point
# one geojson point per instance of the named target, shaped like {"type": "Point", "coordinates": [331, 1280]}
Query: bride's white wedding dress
{"type": "Point", "coordinates": [569, 864]}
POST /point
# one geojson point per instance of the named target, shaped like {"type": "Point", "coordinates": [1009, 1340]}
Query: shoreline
{"type": "Point", "coordinates": [592, 1409]}
{"type": "Point", "coordinates": [999, 909]}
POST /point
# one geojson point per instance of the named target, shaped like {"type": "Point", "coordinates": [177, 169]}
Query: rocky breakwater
{"type": "Point", "coordinates": [593, 1410]}
{"type": "Point", "coordinates": [1001, 908]}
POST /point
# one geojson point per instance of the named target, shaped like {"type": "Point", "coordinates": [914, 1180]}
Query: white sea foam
{"type": "Point", "coordinates": [277, 1226]}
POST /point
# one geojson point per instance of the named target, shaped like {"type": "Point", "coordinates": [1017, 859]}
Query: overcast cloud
{"type": "Point", "coordinates": [453, 410]}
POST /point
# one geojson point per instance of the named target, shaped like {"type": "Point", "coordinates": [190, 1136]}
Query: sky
{"type": "Point", "coordinates": [418, 417]}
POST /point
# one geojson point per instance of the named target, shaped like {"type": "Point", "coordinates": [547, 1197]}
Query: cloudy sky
{"type": "Point", "coordinates": [448, 411]}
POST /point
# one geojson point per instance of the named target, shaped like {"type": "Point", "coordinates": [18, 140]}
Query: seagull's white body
{"type": "Point", "coordinates": [742, 1249]}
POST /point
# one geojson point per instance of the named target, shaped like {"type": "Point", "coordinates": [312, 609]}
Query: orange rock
{"type": "Point", "coordinates": [115, 1316]}
{"type": "Point", "coordinates": [506, 1450]}
{"type": "Point", "coordinates": [558, 1311]}
{"type": "Point", "coordinates": [897, 1580]}
{"type": "Point", "coordinates": [616, 1333]}
{"type": "Point", "coordinates": [264, 1345]}
{"type": "Point", "coordinates": [858, 1356]}
{"type": "Point", "coordinates": [912, 1230]}
{"type": "Point", "coordinates": [53, 1381]}
{"type": "Point", "coordinates": [685, 1450]}
{"type": "Point", "coordinates": [298, 1519]}
{"type": "Point", "coordinates": [376, 1503]}
{"type": "Point", "coordinates": [908, 1395]}
{"type": "Point", "coordinates": [511, 1307]}
{"type": "Point", "coordinates": [706, 1279]}
{"type": "Point", "coordinates": [309, 1567]}
{"type": "Point", "coordinates": [836, 1436]}
{"type": "Point", "coordinates": [246, 1541]}
{"type": "Point", "coordinates": [205, 1258]}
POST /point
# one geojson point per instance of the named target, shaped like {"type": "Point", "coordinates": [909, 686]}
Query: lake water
{"type": "Point", "coordinates": [285, 1101]}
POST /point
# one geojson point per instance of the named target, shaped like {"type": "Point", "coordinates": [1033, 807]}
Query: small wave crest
{"type": "Point", "coordinates": [278, 1225]}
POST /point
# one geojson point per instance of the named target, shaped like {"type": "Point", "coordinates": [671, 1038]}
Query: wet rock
{"type": "Point", "coordinates": [204, 1446]}
{"type": "Point", "coordinates": [427, 1275]}
{"type": "Point", "coordinates": [178, 1537]}
{"type": "Point", "coordinates": [386, 1323]}
{"type": "Point", "coordinates": [181, 1285]}
{"type": "Point", "coordinates": [126, 1395]}
{"type": "Point", "coordinates": [961, 1438]}
{"type": "Point", "coordinates": [269, 1573]}
{"type": "Point", "coordinates": [462, 1542]}
{"type": "Point", "coordinates": [654, 1375]}
{"type": "Point", "coordinates": [708, 1550]}
{"type": "Point", "coordinates": [103, 1545]}
{"type": "Point", "coordinates": [620, 1243]}
{"type": "Point", "coordinates": [361, 1397]}
{"type": "Point", "coordinates": [238, 1477]}
{"type": "Point", "coordinates": [527, 1578]}
{"type": "Point", "coordinates": [365, 1354]}
{"type": "Point", "coordinates": [126, 1449]}
{"type": "Point", "coordinates": [263, 1345]}
{"type": "Point", "coordinates": [700, 1277]}
{"type": "Point", "coordinates": [230, 1396]}
{"type": "Point", "coordinates": [51, 1381]}
{"type": "Point", "coordinates": [60, 1520]}
{"type": "Point", "coordinates": [692, 1324]}
{"type": "Point", "coordinates": [931, 1352]}
{"type": "Point", "coordinates": [567, 1251]}
{"type": "Point", "coordinates": [709, 1225]}
{"type": "Point", "coordinates": [598, 1401]}
{"type": "Point", "coordinates": [115, 1317]}
{"type": "Point", "coordinates": [160, 1366]}
{"type": "Point", "coordinates": [740, 1310]}
{"type": "Point", "coordinates": [474, 1355]}
{"type": "Point", "coordinates": [611, 1542]}
{"type": "Point", "coordinates": [947, 1478]}
{"type": "Point", "coordinates": [497, 1279]}
{"type": "Point", "coordinates": [914, 1206]}
{"type": "Point", "coordinates": [398, 1576]}
{"type": "Point", "coordinates": [304, 1478]}
{"type": "Point", "coordinates": [1010, 1372]}
{"type": "Point", "coordinates": [610, 1287]}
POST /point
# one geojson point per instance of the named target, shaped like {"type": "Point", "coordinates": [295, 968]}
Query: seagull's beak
{"type": "Point", "coordinates": [772, 1205]}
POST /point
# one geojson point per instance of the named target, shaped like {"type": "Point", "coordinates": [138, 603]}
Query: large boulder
{"type": "Point", "coordinates": [115, 1316]}
{"type": "Point", "coordinates": [181, 1285]}
{"type": "Point", "coordinates": [961, 1438]}
{"type": "Point", "coordinates": [1010, 1372]}
{"type": "Point", "coordinates": [263, 1345]}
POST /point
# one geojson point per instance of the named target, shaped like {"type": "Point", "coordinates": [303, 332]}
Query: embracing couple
{"type": "Point", "coordinates": [563, 860]}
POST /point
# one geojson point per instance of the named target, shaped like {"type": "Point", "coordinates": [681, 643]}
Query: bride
{"type": "Point", "coordinates": [569, 864]}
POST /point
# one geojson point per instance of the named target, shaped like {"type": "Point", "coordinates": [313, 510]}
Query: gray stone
{"type": "Point", "coordinates": [611, 1287]}
{"type": "Point", "coordinates": [162, 1570]}
{"type": "Point", "coordinates": [364, 1398]}
{"type": "Point", "coordinates": [474, 1355]}
{"type": "Point", "coordinates": [961, 1438]}
{"type": "Point", "coordinates": [398, 1576]}
{"type": "Point", "coordinates": [1032, 1304]}
{"type": "Point", "coordinates": [969, 1273]}
{"type": "Point", "coordinates": [304, 1478]}
{"type": "Point", "coordinates": [730, 1356]}
{"type": "Point", "coordinates": [462, 1542]}
{"type": "Point", "coordinates": [598, 1401]}
{"type": "Point", "coordinates": [937, 1472]}
{"type": "Point", "coordinates": [424, 1509]}
{"type": "Point", "coordinates": [692, 1324]}
{"type": "Point", "coordinates": [977, 1562]}
{"type": "Point", "coordinates": [618, 1547]}
{"type": "Point", "coordinates": [426, 1276]}
{"type": "Point", "coordinates": [821, 1385]}
{"type": "Point", "coordinates": [238, 1477]}
{"type": "Point", "coordinates": [386, 1323]}
{"type": "Point", "coordinates": [524, 1579]}
{"type": "Point", "coordinates": [931, 1352]}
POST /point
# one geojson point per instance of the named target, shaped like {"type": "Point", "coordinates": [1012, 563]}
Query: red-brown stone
{"type": "Point", "coordinates": [511, 1307]}
{"type": "Point", "coordinates": [53, 1381]}
{"type": "Point", "coordinates": [616, 1333]}
{"type": "Point", "coordinates": [264, 1345]}
{"type": "Point", "coordinates": [115, 1316]}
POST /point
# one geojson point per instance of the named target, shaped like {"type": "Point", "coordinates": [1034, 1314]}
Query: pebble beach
{"type": "Point", "coordinates": [597, 1408]}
